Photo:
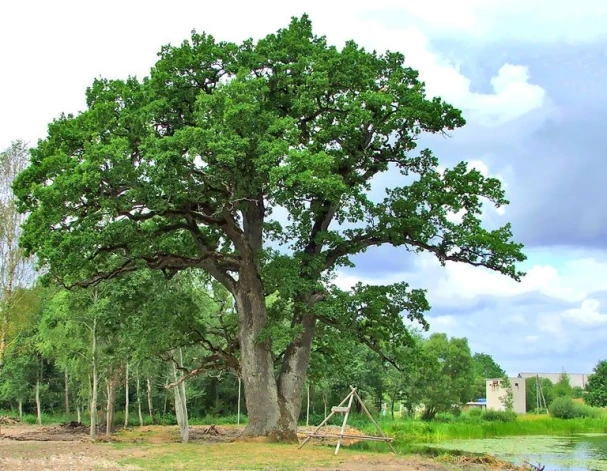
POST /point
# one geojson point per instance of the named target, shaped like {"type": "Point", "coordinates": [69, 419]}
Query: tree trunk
{"type": "Point", "coordinates": [93, 405]}
{"type": "Point", "coordinates": [293, 375]}
{"type": "Point", "coordinates": [139, 398]}
{"type": "Point", "coordinates": [239, 393]}
{"type": "Point", "coordinates": [257, 365]}
{"type": "Point", "coordinates": [20, 405]}
{"type": "Point", "coordinates": [166, 398]}
{"type": "Point", "coordinates": [78, 415]}
{"type": "Point", "coordinates": [181, 409]}
{"type": "Point", "coordinates": [4, 327]}
{"type": "Point", "coordinates": [126, 400]}
{"type": "Point", "coordinates": [150, 402]}
{"type": "Point", "coordinates": [38, 405]}
{"type": "Point", "coordinates": [67, 393]}
{"type": "Point", "coordinates": [109, 408]}
{"type": "Point", "coordinates": [308, 407]}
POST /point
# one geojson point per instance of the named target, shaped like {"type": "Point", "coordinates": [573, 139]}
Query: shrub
{"type": "Point", "coordinates": [564, 408]}
{"type": "Point", "coordinates": [585, 410]}
{"type": "Point", "coordinates": [499, 416]}
{"type": "Point", "coordinates": [444, 417]}
{"type": "Point", "coordinates": [475, 412]}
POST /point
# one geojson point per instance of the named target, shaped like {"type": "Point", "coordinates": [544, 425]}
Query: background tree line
{"type": "Point", "coordinates": [128, 344]}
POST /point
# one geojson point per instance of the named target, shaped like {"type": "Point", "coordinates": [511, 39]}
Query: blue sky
{"type": "Point", "coordinates": [529, 76]}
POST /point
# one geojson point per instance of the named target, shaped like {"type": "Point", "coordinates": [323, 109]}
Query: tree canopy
{"type": "Point", "coordinates": [597, 386]}
{"type": "Point", "coordinates": [255, 162]}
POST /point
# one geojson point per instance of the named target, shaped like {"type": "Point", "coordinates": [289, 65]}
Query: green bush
{"type": "Point", "coordinates": [565, 408]}
{"type": "Point", "coordinates": [585, 410]}
{"type": "Point", "coordinates": [499, 416]}
{"type": "Point", "coordinates": [445, 417]}
{"type": "Point", "coordinates": [475, 412]}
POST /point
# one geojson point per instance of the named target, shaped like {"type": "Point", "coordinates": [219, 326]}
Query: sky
{"type": "Point", "coordinates": [529, 76]}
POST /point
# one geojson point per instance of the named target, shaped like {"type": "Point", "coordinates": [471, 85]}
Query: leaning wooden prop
{"type": "Point", "coordinates": [346, 410]}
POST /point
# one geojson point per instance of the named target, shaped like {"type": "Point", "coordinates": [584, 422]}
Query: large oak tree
{"type": "Point", "coordinates": [254, 162]}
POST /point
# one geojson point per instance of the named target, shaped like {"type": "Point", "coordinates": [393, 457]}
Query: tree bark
{"type": "Point", "coordinates": [38, 405]}
{"type": "Point", "coordinates": [93, 405]}
{"type": "Point", "coordinates": [139, 398]}
{"type": "Point", "coordinates": [109, 408]}
{"type": "Point", "coordinates": [4, 327]}
{"type": "Point", "coordinates": [308, 407]}
{"type": "Point", "coordinates": [126, 399]}
{"type": "Point", "coordinates": [20, 405]}
{"type": "Point", "coordinates": [239, 400]}
{"type": "Point", "coordinates": [257, 365]}
{"type": "Point", "coordinates": [166, 398]}
{"type": "Point", "coordinates": [78, 415]}
{"type": "Point", "coordinates": [293, 374]}
{"type": "Point", "coordinates": [150, 402]}
{"type": "Point", "coordinates": [181, 409]}
{"type": "Point", "coordinates": [67, 393]}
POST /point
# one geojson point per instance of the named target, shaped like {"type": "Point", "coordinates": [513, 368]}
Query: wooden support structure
{"type": "Point", "coordinates": [346, 410]}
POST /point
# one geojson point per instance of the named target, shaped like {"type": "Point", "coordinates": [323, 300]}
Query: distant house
{"type": "Point", "coordinates": [497, 394]}
{"type": "Point", "coordinates": [575, 379]}
{"type": "Point", "coordinates": [478, 404]}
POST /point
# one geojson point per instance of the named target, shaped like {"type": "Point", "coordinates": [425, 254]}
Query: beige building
{"type": "Point", "coordinates": [497, 394]}
{"type": "Point", "coordinates": [575, 379]}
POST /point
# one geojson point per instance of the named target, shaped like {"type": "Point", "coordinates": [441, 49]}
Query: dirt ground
{"type": "Point", "coordinates": [68, 447]}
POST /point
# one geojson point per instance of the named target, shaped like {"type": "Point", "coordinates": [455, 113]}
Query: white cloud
{"type": "Point", "coordinates": [587, 314]}
{"type": "Point", "coordinates": [54, 51]}
{"type": "Point", "coordinates": [573, 282]}
{"type": "Point", "coordinates": [539, 20]}
{"type": "Point", "coordinates": [551, 320]}
{"type": "Point", "coordinates": [514, 96]}
{"type": "Point", "coordinates": [442, 323]}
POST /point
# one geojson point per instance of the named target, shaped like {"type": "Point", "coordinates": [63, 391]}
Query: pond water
{"type": "Point", "coordinates": [571, 453]}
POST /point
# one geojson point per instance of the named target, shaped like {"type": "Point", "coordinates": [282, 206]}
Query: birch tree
{"type": "Point", "coordinates": [15, 266]}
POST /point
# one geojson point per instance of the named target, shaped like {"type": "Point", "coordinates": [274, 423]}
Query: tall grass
{"type": "Point", "coordinates": [166, 419]}
{"type": "Point", "coordinates": [408, 432]}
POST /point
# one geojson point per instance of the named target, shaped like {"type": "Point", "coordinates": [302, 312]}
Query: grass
{"type": "Point", "coordinates": [167, 419]}
{"type": "Point", "coordinates": [153, 448]}
{"type": "Point", "coordinates": [409, 434]}
{"type": "Point", "coordinates": [241, 455]}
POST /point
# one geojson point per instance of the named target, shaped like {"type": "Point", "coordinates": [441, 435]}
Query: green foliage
{"type": "Point", "coordinates": [562, 388]}
{"type": "Point", "coordinates": [408, 432]}
{"type": "Point", "coordinates": [565, 408]}
{"type": "Point", "coordinates": [445, 417]}
{"type": "Point", "coordinates": [499, 416]}
{"type": "Point", "coordinates": [547, 389]}
{"type": "Point", "coordinates": [447, 375]}
{"type": "Point", "coordinates": [189, 168]}
{"type": "Point", "coordinates": [577, 392]}
{"type": "Point", "coordinates": [485, 368]}
{"type": "Point", "coordinates": [597, 386]}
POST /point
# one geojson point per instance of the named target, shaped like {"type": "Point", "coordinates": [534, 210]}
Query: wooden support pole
{"type": "Point", "coordinates": [324, 422]}
{"type": "Point", "coordinates": [343, 427]}
{"type": "Point", "coordinates": [346, 410]}
{"type": "Point", "coordinates": [373, 420]}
